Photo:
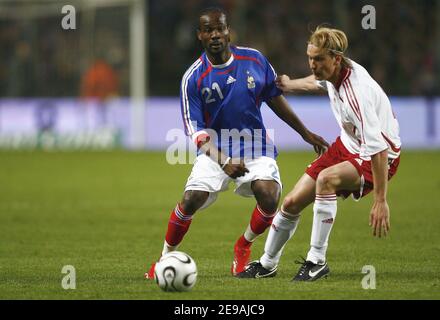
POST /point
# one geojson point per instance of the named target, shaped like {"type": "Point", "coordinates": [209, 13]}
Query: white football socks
{"type": "Point", "coordinates": [282, 229]}
{"type": "Point", "coordinates": [324, 213]}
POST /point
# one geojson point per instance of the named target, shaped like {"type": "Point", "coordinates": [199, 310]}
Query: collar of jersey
{"type": "Point", "coordinates": [224, 65]}
{"type": "Point", "coordinates": [344, 74]}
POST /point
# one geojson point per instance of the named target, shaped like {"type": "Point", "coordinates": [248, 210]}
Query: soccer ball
{"type": "Point", "coordinates": [175, 271]}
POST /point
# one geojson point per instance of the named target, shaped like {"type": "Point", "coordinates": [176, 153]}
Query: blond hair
{"type": "Point", "coordinates": [334, 41]}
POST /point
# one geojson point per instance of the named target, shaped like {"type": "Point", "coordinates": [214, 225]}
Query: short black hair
{"type": "Point", "coordinates": [209, 10]}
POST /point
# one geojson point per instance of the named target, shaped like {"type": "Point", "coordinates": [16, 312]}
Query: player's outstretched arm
{"type": "Point", "coordinates": [307, 84]}
{"type": "Point", "coordinates": [281, 107]}
{"type": "Point", "coordinates": [380, 212]}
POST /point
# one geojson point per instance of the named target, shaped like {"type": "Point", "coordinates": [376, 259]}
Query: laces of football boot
{"type": "Point", "coordinates": [250, 268]}
{"type": "Point", "coordinates": [304, 264]}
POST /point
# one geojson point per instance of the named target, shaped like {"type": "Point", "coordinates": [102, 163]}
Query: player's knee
{"type": "Point", "coordinates": [268, 200]}
{"type": "Point", "coordinates": [193, 200]}
{"type": "Point", "coordinates": [291, 207]}
{"type": "Point", "coordinates": [326, 180]}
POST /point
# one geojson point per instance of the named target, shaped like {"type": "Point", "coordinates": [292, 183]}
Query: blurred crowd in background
{"type": "Point", "coordinates": [40, 59]}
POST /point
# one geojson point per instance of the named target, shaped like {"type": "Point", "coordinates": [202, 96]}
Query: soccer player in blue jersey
{"type": "Point", "coordinates": [221, 96]}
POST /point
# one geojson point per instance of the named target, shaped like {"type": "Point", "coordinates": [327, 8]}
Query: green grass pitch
{"type": "Point", "coordinates": [106, 214]}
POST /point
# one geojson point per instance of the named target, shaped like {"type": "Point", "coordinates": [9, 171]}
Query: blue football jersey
{"type": "Point", "coordinates": [225, 101]}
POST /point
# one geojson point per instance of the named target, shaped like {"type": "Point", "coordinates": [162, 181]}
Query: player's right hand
{"type": "Point", "coordinates": [380, 218]}
{"type": "Point", "coordinates": [234, 169]}
{"type": "Point", "coordinates": [281, 82]}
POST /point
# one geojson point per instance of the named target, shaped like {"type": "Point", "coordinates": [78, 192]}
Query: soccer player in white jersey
{"type": "Point", "coordinates": [362, 159]}
{"type": "Point", "coordinates": [221, 98]}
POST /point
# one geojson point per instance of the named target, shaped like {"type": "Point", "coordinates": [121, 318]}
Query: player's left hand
{"type": "Point", "coordinates": [318, 142]}
{"type": "Point", "coordinates": [282, 82]}
{"type": "Point", "coordinates": [380, 218]}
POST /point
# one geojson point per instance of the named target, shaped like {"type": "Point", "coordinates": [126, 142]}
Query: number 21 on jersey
{"type": "Point", "coordinates": [209, 98]}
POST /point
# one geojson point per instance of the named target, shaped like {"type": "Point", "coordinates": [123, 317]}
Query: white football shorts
{"type": "Point", "coordinates": [206, 175]}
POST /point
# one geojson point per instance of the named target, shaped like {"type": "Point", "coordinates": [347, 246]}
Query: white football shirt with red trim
{"type": "Point", "coordinates": [364, 113]}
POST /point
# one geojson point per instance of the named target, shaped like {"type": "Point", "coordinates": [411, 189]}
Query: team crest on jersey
{"type": "Point", "coordinates": [250, 81]}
